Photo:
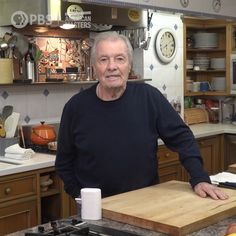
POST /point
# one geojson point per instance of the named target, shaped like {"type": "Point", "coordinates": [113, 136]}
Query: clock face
{"type": "Point", "coordinates": [166, 45]}
{"type": "Point", "coordinates": [184, 3]}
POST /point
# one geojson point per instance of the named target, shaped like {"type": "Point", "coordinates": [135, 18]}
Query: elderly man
{"type": "Point", "coordinates": [108, 133]}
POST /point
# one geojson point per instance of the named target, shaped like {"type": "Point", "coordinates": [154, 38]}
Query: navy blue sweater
{"type": "Point", "coordinates": [112, 145]}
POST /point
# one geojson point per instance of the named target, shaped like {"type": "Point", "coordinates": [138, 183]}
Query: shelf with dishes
{"type": "Point", "coordinates": [206, 71]}
{"type": "Point", "coordinates": [206, 57]}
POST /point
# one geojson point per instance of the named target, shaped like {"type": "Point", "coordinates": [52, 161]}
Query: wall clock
{"type": "Point", "coordinates": [216, 5]}
{"type": "Point", "coordinates": [184, 3]}
{"type": "Point", "coordinates": [166, 45]}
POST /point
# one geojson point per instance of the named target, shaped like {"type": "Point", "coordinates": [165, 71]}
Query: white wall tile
{"type": "Point", "coordinates": [166, 75]}
{"type": "Point", "coordinates": [36, 102]}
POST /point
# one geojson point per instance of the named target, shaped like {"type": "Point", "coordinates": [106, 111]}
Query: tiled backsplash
{"type": "Point", "coordinates": [37, 103]}
{"type": "Point", "coordinates": [45, 102]}
{"type": "Point", "coordinates": [168, 78]}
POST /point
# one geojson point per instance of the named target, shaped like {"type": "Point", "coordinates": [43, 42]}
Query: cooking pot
{"type": "Point", "coordinates": [43, 134]}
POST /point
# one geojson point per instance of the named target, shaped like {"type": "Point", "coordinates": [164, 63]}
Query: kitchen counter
{"type": "Point", "coordinates": [39, 161]}
{"type": "Point", "coordinates": [205, 130]}
{"type": "Point", "coordinates": [217, 229]}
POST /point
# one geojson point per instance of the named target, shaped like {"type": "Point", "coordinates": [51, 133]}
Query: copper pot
{"type": "Point", "coordinates": [43, 134]}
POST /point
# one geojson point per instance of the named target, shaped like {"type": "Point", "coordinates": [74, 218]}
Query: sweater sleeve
{"type": "Point", "coordinates": [178, 137]}
{"type": "Point", "coordinates": [66, 152]}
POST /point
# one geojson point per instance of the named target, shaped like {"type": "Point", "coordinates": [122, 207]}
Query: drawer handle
{"type": "Point", "coordinates": [7, 190]}
{"type": "Point", "coordinates": [167, 154]}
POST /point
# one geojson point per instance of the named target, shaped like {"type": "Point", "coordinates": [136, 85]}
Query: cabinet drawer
{"type": "Point", "coordinates": [166, 155]}
{"type": "Point", "coordinates": [17, 187]}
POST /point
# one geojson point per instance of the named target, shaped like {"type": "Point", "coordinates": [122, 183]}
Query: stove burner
{"type": "Point", "coordinates": [79, 228]}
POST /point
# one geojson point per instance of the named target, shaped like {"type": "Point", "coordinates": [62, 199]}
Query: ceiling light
{"type": "Point", "coordinates": [41, 29]}
{"type": "Point", "coordinates": [67, 26]}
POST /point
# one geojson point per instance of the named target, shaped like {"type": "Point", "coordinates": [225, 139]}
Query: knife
{"type": "Point", "coordinates": [227, 184]}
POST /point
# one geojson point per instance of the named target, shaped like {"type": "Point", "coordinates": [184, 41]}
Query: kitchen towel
{"type": "Point", "coordinates": [19, 153]}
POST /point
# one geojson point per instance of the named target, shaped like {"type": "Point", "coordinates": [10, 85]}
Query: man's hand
{"type": "Point", "coordinates": [231, 229]}
{"type": "Point", "coordinates": [205, 189]}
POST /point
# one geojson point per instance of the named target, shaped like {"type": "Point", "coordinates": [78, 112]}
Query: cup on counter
{"type": "Point", "coordinates": [90, 204]}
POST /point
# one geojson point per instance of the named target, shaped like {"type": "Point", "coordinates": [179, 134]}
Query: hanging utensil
{"type": "Point", "coordinates": [3, 47]}
{"type": "Point", "coordinates": [6, 112]}
{"type": "Point", "coordinates": [11, 41]}
{"type": "Point", "coordinates": [22, 44]}
{"type": "Point", "coordinates": [2, 129]}
{"type": "Point", "coordinates": [145, 43]}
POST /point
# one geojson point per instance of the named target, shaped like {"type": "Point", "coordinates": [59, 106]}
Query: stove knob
{"type": "Point", "coordinates": [74, 222]}
{"type": "Point", "coordinates": [40, 229]}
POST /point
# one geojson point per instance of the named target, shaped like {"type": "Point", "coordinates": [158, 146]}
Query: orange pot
{"type": "Point", "coordinates": [43, 134]}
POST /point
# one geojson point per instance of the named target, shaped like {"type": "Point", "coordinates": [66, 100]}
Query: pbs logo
{"type": "Point", "coordinates": [19, 19]}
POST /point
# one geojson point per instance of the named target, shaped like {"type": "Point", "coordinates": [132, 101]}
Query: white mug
{"type": "Point", "coordinates": [91, 203]}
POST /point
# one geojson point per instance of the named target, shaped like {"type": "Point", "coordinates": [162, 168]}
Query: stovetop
{"type": "Point", "coordinates": [75, 228]}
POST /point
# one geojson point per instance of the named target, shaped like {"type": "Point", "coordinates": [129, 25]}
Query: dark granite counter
{"type": "Point", "coordinates": [217, 229]}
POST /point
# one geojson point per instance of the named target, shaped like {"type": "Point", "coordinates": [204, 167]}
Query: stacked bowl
{"type": "Point", "coordinates": [202, 61]}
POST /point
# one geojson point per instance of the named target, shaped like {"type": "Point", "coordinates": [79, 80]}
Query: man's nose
{"type": "Point", "coordinates": [112, 64]}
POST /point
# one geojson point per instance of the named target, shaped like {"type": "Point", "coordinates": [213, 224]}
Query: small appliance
{"type": "Point", "coordinates": [227, 109]}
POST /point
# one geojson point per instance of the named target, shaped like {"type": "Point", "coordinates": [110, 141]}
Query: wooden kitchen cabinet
{"type": "Point", "coordinates": [23, 203]}
{"type": "Point", "coordinates": [223, 30]}
{"type": "Point", "coordinates": [18, 202]}
{"type": "Point", "coordinates": [233, 36]}
{"type": "Point", "coordinates": [211, 149]}
{"type": "Point", "coordinates": [169, 167]}
{"type": "Point", "coordinates": [51, 198]}
{"type": "Point", "coordinates": [230, 150]}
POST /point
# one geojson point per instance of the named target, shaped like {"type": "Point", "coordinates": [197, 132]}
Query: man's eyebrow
{"type": "Point", "coordinates": [117, 55]}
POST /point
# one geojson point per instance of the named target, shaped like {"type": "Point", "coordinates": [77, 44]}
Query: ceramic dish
{"type": "Point", "coordinates": [205, 40]}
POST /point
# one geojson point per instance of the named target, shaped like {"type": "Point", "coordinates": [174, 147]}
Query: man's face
{"type": "Point", "coordinates": [112, 65]}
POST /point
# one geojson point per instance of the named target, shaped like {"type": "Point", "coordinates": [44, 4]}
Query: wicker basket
{"type": "Point", "coordinates": [195, 116]}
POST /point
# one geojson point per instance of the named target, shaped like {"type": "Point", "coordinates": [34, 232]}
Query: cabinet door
{"type": "Point", "coordinates": [169, 166]}
{"type": "Point", "coordinates": [230, 150]}
{"type": "Point", "coordinates": [210, 149]}
{"type": "Point", "coordinates": [73, 207]}
{"type": "Point", "coordinates": [18, 215]}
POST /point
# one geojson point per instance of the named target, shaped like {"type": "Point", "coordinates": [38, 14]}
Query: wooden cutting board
{"type": "Point", "coordinates": [170, 207]}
